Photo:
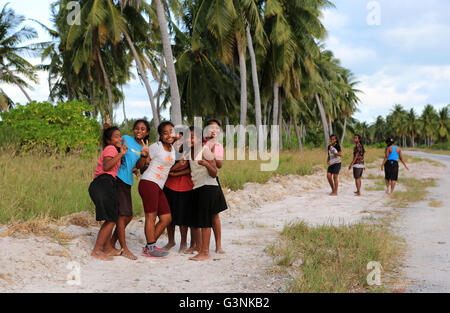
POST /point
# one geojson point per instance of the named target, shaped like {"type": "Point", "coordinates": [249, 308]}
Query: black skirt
{"type": "Point", "coordinates": [204, 206]}
{"type": "Point", "coordinates": [221, 201]}
{"type": "Point", "coordinates": [391, 170]}
{"type": "Point", "coordinates": [180, 205]}
{"type": "Point", "coordinates": [103, 192]}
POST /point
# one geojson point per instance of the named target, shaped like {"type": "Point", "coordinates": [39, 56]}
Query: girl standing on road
{"type": "Point", "coordinates": [161, 157]}
{"type": "Point", "coordinates": [213, 132]}
{"type": "Point", "coordinates": [103, 192]}
{"type": "Point", "coordinates": [390, 164]}
{"type": "Point", "coordinates": [357, 163]}
{"type": "Point", "coordinates": [206, 194]}
{"type": "Point", "coordinates": [134, 158]}
{"type": "Point", "coordinates": [334, 164]}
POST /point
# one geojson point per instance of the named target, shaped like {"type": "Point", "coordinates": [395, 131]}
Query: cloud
{"type": "Point", "coordinates": [333, 19]}
{"type": "Point", "coordinates": [413, 87]}
{"type": "Point", "coordinates": [350, 55]}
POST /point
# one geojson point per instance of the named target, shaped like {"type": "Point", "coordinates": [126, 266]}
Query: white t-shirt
{"type": "Point", "coordinates": [160, 164]}
{"type": "Point", "coordinates": [199, 173]}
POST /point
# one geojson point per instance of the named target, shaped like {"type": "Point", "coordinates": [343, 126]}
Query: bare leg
{"type": "Point", "coordinates": [119, 234]}
{"type": "Point", "coordinates": [387, 186]}
{"type": "Point", "coordinates": [217, 228]}
{"type": "Point", "coordinates": [171, 235]}
{"type": "Point", "coordinates": [393, 183]}
{"type": "Point", "coordinates": [195, 241]}
{"type": "Point", "coordinates": [358, 186]}
{"type": "Point", "coordinates": [103, 237]}
{"type": "Point", "coordinates": [336, 185]}
{"type": "Point", "coordinates": [330, 181]}
{"type": "Point", "coordinates": [183, 243]}
{"type": "Point", "coordinates": [149, 227]}
{"type": "Point", "coordinates": [204, 250]}
{"type": "Point", "coordinates": [164, 221]}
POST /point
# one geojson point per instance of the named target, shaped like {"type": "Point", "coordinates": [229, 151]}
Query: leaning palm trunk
{"type": "Point", "coordinates": [344, 130]}
{"type": "Point", "coordinates": [107, 83]}
{"type": "Point", "coordinates": [275, 102]}
{"type": "Point", "coordinates": [167, 49]}
{"type": "Point", "coordinates": [16, 82]}
{"type": "Point", "coordinates": [324, 120]}
{"type": "Point", "coordinates": [255, 84]}
{"type": "Point", "coordinates": [144, 78]}
{"type": "Point", "coordinates": [331, 125]}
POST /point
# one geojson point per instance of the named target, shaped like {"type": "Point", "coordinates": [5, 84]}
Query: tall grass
{"type": "Point", "coordinates": [37, 185]}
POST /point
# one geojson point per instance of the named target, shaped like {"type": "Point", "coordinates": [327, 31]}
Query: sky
{"type": "Point", "coordinates": [398, 50]}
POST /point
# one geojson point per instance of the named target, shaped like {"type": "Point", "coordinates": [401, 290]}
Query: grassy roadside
{"type": "Point", "coordinates": [334, 258]}
{"type": "Point", "coordinates": [36, 186]}
{"type": "Point", "coordinates": [433, 151]}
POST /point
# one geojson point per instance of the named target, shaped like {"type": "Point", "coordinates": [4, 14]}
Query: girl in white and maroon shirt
{"type": "Point", "coordinates": [161, 157]}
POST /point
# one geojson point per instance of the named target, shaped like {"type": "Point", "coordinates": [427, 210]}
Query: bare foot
{"type": "Point", "coordinates": [358, 194]}
{"type": "Point", "coordinates": [127, 253]}
{"type": "Point", "coordinates": [191, 251]}
{"type": "Point", "coordinates": [113, 252]}
{"type": "Point", "coordinates": [220, 251]}
{"type": "Point", "coordinates": [333, 194]}
{"type": "Point", "coordinates": [200, 257]}
{"type": "Point", "coordinates": [169, 246]}
{"type": "Point", "coordinates": [100, 255]}
{"type": "Point", "coordinates": [182, 248]}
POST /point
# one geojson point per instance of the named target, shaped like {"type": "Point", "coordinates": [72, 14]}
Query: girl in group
{"type": "Point", "coordinates": [357, 163]}
{"type": "Point", "coordinates": [206, 194]}
{"type": "Point", "coordinates": [213, 131]}
{"type": "Point", "coordinates": [103, 192]}
{"type": "Point", "coordinates": [390, 164]}
{"type": "Point", "coordinates": [161, 157]}
{"type": "Point", "coordinates": [134, 158]}
{"type": "Point", "coordinates": [334, 164]}
{"type": "Point", "coordinates": [180, 195]}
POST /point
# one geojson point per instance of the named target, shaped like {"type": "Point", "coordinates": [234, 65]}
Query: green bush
{"type": "Point", "coordinates": [65, 127]}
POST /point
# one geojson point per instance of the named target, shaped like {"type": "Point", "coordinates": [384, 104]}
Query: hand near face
{"type": "Point", "coordinates": [124, 149]}
{"type": "Point", "coordinates": [145, 151]}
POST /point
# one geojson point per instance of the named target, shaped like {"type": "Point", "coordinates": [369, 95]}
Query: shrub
{"type": "Point", "coordinates": [65, 127]}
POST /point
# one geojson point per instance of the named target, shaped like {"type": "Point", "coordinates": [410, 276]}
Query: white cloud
{"type": "Point", "coordinates": [333, 19]}
{"type": "Point", "coordinates": [349, 55]}
{"type": "Point", "coordinates": [420, 35]}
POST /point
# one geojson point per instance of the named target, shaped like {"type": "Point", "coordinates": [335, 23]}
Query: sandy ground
{"type": "Point", "coordinates": [257, 214]}
{"type": "Point", "coordinates": [427, 233]}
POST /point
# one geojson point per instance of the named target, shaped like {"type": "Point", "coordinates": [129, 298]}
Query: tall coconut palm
{"type": "Point", "coordinates": [411, 126]}
{"type": "Point", "coordinates": [429, 124]}
{"type": "Point", "coordinates": [443, 124]}
{"type": "Point", "coordinates": [12, 64]}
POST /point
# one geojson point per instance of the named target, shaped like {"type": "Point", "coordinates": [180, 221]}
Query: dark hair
{"type": "Point", "coordinates": [107, 134]}
{"type": "Point", "coordinates": [161, 128]}
{"type": "Point", "coordinates": [390, 141]}
{"type": "Point", "coordinates": [213, 120]}
{"type": "Point", "coordinates": [333, 135]}
{"type": "Point", "coordinates": [147, 125]}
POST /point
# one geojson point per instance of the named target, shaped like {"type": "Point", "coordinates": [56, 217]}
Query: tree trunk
{"type": "Point", "coordinates": [275, 103]}
{"type": "Point", "coordinates": [255, 84]}
{"type": "Point", "coordinates": [16, 82]}
{"type": "Point", "coordinates": [123, 108]}
{"type": "Point", "coordinates": [167, 48]}
{"type": "Point", "coordinates": [324, 120]}
{"type": "Point", "coordinates": [280, 123]}
{"type": "Point", "coordinates": [297, 133]}
{"type": "Point", "coordinates": [243, 76]}
{"type": "Point", "coordinates": [343, 131]}
{"type": "Point", "coordinates": [331, 125]}
{"type": "Point", "coordinates": [144, 78]}
{"type": "Point", "coordinates": [107, 83]}
{"type": "Point", "coordinates": [160, 85]}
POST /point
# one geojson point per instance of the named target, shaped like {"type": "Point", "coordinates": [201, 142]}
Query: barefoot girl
{"type": "Point", "coordinates": [390, 164]}
{"type": "Point", "coordinates": [134, 158]}
{"type": "Point", "coordinates": [103, 192]}
{"type": "Point", "coordinates": [213, 132]}
{"type": "Point", "coordinates": [206, 193]}
{"type": "Point", "coordinates": [160, 160]}
{"type": "Point", "coordinates": [334, 164]}
{"type": "Point", "coordinates": [358, 163]}
{"type": "Point", "coordinates": [180, 195]}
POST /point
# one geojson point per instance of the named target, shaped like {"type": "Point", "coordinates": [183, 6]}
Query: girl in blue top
{"type": "Point", "coordinates": [133, 159]}
{"type": "Point", "coordinates": [390, 164]}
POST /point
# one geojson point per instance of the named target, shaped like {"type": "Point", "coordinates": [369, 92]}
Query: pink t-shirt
{"type": "Point", "coordinates": [109, 151]}
{"type": "Point", "coordinates": [218, 149]}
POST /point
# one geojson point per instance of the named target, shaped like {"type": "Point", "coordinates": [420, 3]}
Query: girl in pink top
{"type": "Point", "coordinates": [103, 192]}
{"type": "Point", "coordinates": [213, 130]}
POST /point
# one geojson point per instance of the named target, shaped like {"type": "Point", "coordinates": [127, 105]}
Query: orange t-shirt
{"type": "Point", "coordinates": [180, 183]}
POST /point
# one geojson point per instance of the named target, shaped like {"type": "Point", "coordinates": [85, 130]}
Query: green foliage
{"type": "Point", "coordinates": [65, 127]}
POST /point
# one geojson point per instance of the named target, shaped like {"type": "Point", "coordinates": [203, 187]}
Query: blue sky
{"type": "Point", "coordinates": [405, 59]}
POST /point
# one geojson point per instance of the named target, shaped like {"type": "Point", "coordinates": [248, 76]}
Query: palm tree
{"type": "Point", "coordinates": [411, 126]}
{"type": "Point", "coordinates": [11, 62]}
{"type": "Point", "coordinates": [443, 124]}
{"type": "Point", "coordinates": [429, 120]}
